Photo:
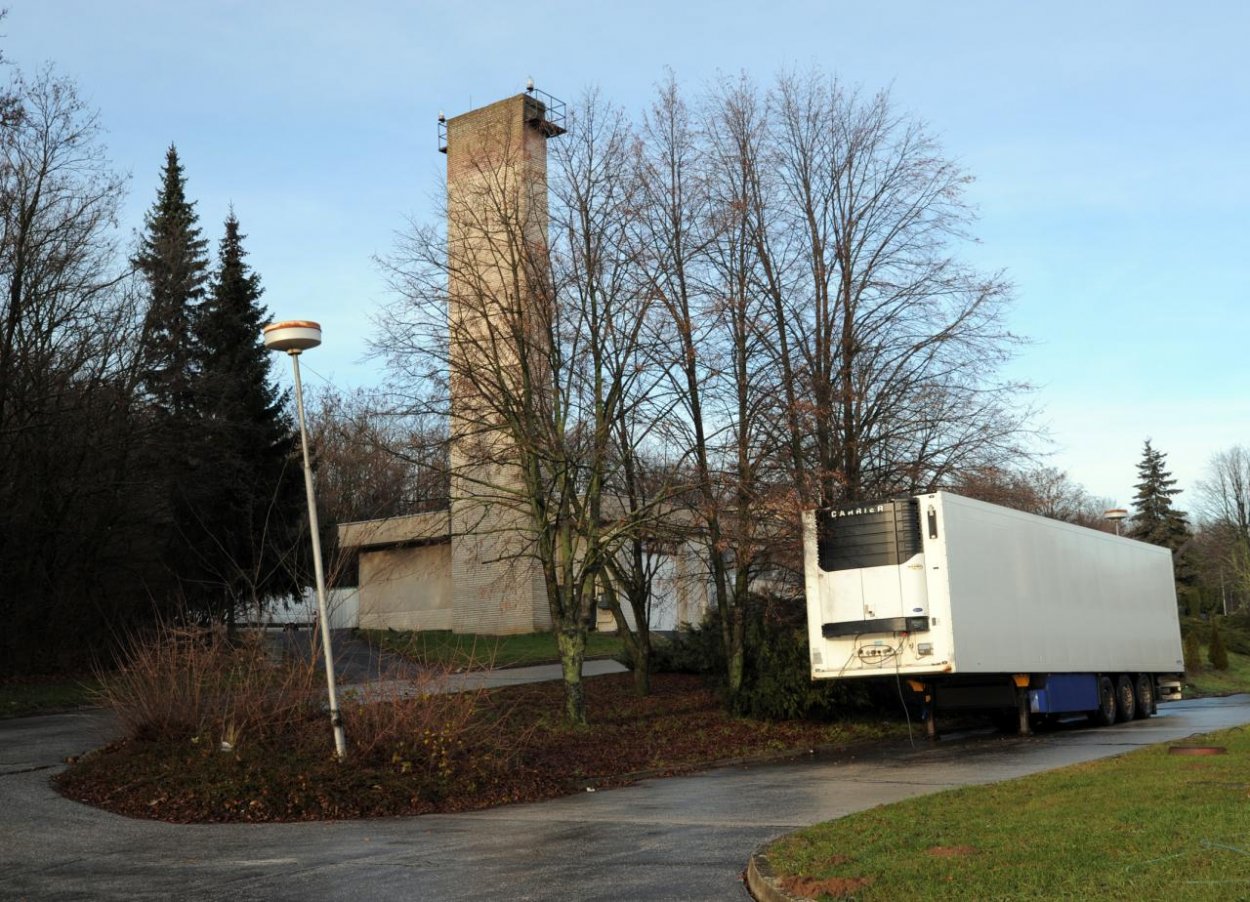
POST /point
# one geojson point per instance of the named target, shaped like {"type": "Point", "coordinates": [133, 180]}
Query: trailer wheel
{"type": "Point", "coordinates": [1145, 696]}
{"type": "Point", "coordinates": [1125, 699]}
{"type": "Point", "coordinates": [1104, 715]}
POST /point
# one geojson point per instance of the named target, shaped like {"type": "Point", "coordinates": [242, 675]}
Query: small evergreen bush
{"type": "Point", "coordinates": [695, 649]}
{"type": "Point", "coordinates": [1235, 632]}
{"type": "Point", "coordinates": [777, 683]}
{"type": "Point", "coordinates": [776, 680]}
{"type": "Point", "coordinates": [1193, 652]}
{"type": "Point", "coordinates": [1217, 654]}
{"type": "Point", "coordinates": [692, 649]}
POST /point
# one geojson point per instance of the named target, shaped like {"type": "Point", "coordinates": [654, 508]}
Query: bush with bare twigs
{"type": "Point", "coordinates": [426, 730]}
{"type": "Point", "coordinates": [237, 695]}
{"type": "Point", "coordinates": [184, 681]}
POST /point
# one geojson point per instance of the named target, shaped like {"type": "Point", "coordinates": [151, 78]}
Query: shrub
{"type": "Point", "coordinates": [1193, 652]}
{"type": "Point", "coordinates": [776, 680]}
{"type": "Point", "coordinates": [423, 734]}
{"type": "Point", "coordinates": [426, 729]}
{"type": "Point", "coordinates": [1216, 653]}
{"type": "Point", "coordinates": [1235, 631]}
{"type": "Point", "coordinates": [693, 649]}
{"type": "Point", "coordinates": [189, 681]}
{"type": "Point", "coordinates": [237, 696]}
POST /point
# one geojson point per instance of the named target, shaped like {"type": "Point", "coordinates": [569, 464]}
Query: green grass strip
{"type": "Point", "coordinates": [1206, 680]}
{"type": "Point", "coordinates": [476, 651]}
{"type": "Point", "coordinates": [1147, 825]}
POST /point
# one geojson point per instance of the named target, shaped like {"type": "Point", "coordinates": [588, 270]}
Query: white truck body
{"type": "Point", "coordinates": [982, 589]}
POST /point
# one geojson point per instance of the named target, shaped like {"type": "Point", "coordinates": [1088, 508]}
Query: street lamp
{"type": "Point", "coordinates": [294, 337]}
{"type": "Point", "coordinates": [1115, 515]}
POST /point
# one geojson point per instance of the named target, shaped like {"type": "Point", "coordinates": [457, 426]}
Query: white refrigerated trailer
{"type": "Point", "coordinates": [972, 605]}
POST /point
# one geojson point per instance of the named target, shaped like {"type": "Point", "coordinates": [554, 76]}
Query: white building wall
{"type": "Point", "coordinates": [679, 592]}
{"type": "Point", "coordinates": [342, 606]}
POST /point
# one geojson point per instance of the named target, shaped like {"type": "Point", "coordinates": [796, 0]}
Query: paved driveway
{"type": "Point", "coordinates": [682, 838]}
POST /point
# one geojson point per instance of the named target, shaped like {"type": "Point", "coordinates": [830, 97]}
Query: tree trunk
{"type": "Point", "coordinates": [642, 662]}
{"type": "Point", "coordinates": [572, 644]}
{"type": "Point", "coordinates": [637, 641]}
{"type": "Point", "coordinates": [735, 657]}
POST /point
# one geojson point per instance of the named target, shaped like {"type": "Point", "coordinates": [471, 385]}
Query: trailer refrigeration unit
{"type": "Point", "coordinates": [972, 605]}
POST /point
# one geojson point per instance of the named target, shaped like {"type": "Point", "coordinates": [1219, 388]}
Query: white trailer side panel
{"type": "Point", "coordinates": [1004, 592]}
{"type": "Point", "coordinates": [1031, 594]}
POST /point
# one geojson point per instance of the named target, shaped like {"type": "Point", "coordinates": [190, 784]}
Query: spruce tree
{"type": "Point", "coordinates": [1192, 650]}
{"type": "Point", "coordinates": [249, 502]}
{"type": "Point", "coordinates": [1155, 520]}
{"type": "Point", "coordinates": [172, 260]}
{"type": "Point", "coordinates": [1217, 654]}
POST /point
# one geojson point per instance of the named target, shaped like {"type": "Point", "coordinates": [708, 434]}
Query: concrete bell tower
{"type": "Point", "coordinates": [496, 247]}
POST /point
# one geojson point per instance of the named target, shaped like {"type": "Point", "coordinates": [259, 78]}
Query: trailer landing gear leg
{"type": "Point", "coordinates": [1022, 708]}
{"type": "Point", "coordinates": [930, 715]}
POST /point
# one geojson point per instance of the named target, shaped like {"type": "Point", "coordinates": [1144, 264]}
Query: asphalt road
{"type": "Point", "coordinates": [680, 838]}
{"type": "Point", "coordinates": [355, 661]}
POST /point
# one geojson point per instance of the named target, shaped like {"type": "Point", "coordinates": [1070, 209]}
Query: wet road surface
{"type": "Point", "coordinates": [679, 838]}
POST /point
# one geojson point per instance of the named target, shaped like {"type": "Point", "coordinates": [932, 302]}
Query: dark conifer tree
{"type": "Point", "coordinates": [249, 503]}
{"type": "Point", "coordinates": [1155, 520]}
{"type": "Point", "coordinates": [1217, 654]}
{"type": "Point", "coordinates": [172, 258]}
{"type": "Point", "coordinates": [1192, 650]}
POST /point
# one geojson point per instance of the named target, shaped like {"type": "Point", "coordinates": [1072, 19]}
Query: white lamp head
{"type": "Point", "coordinates": [292, 336]}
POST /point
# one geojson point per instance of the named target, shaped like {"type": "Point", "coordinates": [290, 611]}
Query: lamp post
{"type": "Point", "coordinates": [294, 337]}
{"type": "Point", "coordinates": [1115, 515]}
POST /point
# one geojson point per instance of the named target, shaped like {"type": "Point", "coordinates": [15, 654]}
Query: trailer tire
{"type": "Point", "coordinates": [1145, 696]}
{"type": "Point", "coordinates": [1125, 699]}
{"type": "Point", "coordinates": [1104, 714]}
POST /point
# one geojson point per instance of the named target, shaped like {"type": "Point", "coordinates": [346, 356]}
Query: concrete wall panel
{"type": "Point", "coordinates": [406, 588]}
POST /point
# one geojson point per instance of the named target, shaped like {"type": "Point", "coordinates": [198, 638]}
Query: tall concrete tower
{"type": "Point", "coordinates": [496, 233]}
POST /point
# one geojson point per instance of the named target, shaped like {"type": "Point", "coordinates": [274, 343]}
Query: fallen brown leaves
{"type": "Point", "coordinates": [521, 751]}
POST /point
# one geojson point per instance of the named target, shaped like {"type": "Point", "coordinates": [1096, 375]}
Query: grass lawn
{"type": "Point", "coordinates": [1148, 825]}
{"type": "Point", "coordinates": [1209, 681]}
{"type": "Point", "coordinates": [34, 695]}
{"type": "Point", "coordinates": [516, 748]}
{"type": "Point", "coordinates": [479, 651]}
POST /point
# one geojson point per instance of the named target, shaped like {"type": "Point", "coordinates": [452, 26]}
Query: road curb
{"type": "Point", "coordinates": [763, 884]}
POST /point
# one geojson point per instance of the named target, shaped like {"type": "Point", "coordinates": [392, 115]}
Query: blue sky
{"type": "Point", "coordinates": [1109, 141]}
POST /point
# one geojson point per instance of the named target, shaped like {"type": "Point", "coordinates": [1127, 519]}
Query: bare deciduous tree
{"type": "Point", "coordinates": [1224, 495]}
{"type": "Point", "coordinates": [896, 344]}
{"type": "Point", "coordinates": [71, 537]}
{"type": "Point", "coordinates": [761, 292]}
{"type": "Point", "coordinates": [1046, 491]}
{"type": "Point", "coordinates": [539, 342]}
{"type": "Point", "coordinates": [371, 462]}
{"type": "Point", "coordinates": [829, 346]}
{"type": "Point", "coordinates": [1224, 519]}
